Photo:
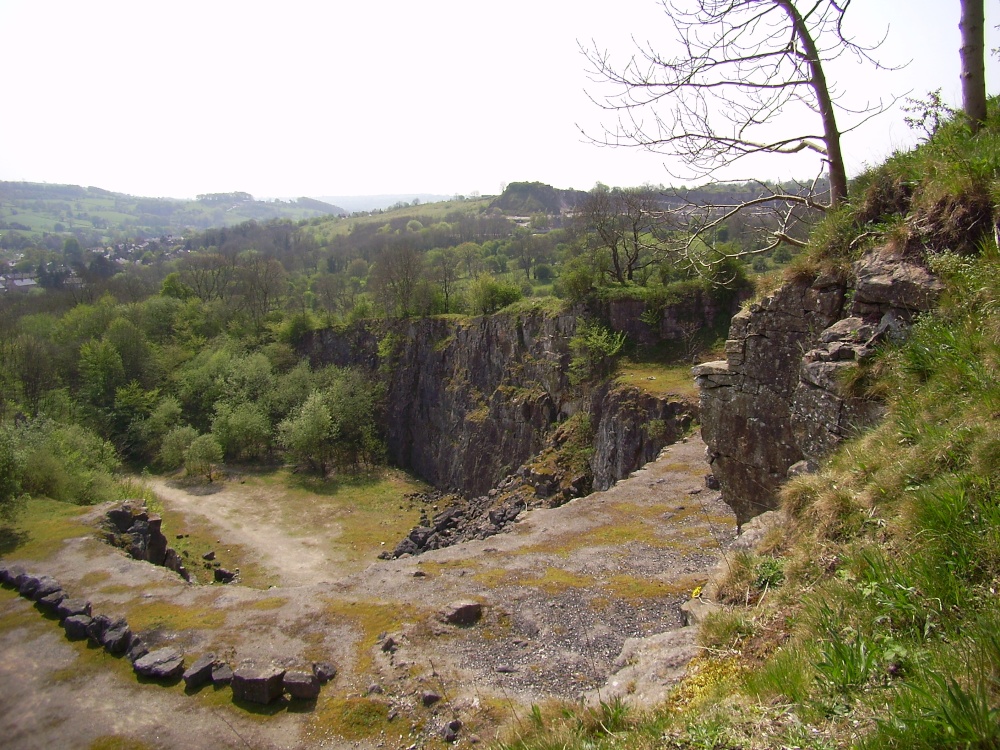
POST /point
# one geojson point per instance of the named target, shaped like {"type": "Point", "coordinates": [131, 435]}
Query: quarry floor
{"type": "Point", "coordinates": [563, 592]}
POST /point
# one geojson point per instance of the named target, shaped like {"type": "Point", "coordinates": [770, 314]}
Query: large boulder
{"type": "Point", "coordinates": [70, 607]}
{"type": "Point", "coordinates": [117, 639]}
{"type": "Point", "coordinates": [200, 672]}
{"type": "Point", "coordinates": [301, 684]}
{"type": "Point", "coordinates": [76, 627]}
{"type": "Point", "coordinates": [261, 685]}
{"type": "Point", "coordinates": [162, 664]}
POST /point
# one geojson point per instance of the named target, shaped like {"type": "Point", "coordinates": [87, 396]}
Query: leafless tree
{"type": "Point", "coordinates": [745, 66]}
{"type": "Point", "coordinates": [623, 221]}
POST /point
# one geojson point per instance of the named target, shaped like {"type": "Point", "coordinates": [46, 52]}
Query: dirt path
{"type": "Point", "coordinates": [249, 519]}
{"type": "Point", "coordinates": [562, 590]}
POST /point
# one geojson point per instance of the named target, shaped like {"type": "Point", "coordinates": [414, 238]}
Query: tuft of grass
{"type": "Point", "coordinates": [350, 718]}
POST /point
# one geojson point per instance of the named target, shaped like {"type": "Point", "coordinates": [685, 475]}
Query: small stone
{"type": "Point", "coordinates": [389, 645]}
{"type": "Point", "coordinates": [428, 698]}
{"type": "Point", "coordinates": [210, 555]}
{"type": "Point", "coordinates": [324, 672]}
{"type": "Point", "coordinates": [449, 732]}
{"type": "Point", "coordinates": [374, 689]}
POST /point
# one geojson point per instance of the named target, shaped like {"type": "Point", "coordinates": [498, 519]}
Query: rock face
{"type": "Point", "coordinates": [131, 527]}
{"type": "Point", "coordinates": [471, 401]}
{"type": "Point", "coordinates": [781, 394]}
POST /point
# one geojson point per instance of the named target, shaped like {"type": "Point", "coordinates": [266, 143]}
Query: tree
{"type": "Point", "coordinates": [202, 456]}
{"type": "Point", "coordinates": [442, 266]}
{"type": "Point", "coordinates": [973, 52]}
{"type": "Point", "coordinates": [309, 435]}
{"type": "Point", "coordinates": [394, 278]}
{"type": "Point", "coordinates": [745, 65]}
{"type": "Point", "coordinates": [623, 220]}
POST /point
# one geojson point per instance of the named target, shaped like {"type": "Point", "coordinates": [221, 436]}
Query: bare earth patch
{"type": "Point", "coordinates": [561, 593]}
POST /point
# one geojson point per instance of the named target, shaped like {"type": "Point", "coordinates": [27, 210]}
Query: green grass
{"type": "Point", "coordinates": [872, 620]}
{"type": "Point", "coordinates": [657, 379]}
{"type": "Point", "coordinates": [41, 530]}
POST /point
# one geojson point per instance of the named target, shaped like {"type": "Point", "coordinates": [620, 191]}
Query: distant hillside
{"type": "Point", "coordinates": [28, 211]}
{"type": "Point", "coordinates": [525, 198]}
{"type": "Point", "coordinates": [381, 202]}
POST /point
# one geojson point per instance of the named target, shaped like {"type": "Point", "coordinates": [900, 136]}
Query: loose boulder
{"type": "Point", "coordinates": [324, 672]}
{"type": "Point", "coordinates": [224, 576]}
{"type": "Point", "coordinates": [76, 627]}
{"type": "Point", "coordinates": [462, 613]}
{"type": "Point", "coordinates": [70, 607]}
{"type": "Point", "coordinates": [301, 685]}
{"type": "Point", "coordinates": [51, 602]}
{"type": "Point", "coordinates": [222, 674]}
{"type": "Point", "coordinates": [117, 639]}
{"type": "Point", "coordinates": [98, 626]}
{"type": "Point", "coordinates": [162, 664]}
{"type": "Point", "coordinates": [258, 685]}
{"type": "Point", "coordinates": [200, 672]}
{"type": "Point", "coordinates": [46, 585]}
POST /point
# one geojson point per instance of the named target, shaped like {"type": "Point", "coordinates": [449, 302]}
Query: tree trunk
{"type": "Point", "coordinates": [831, 133]}
{"type": "Point", "coordinates": [973, 52]}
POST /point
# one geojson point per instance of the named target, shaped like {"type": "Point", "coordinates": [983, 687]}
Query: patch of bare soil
{"type": "Point", "coordinates": [562, 591]}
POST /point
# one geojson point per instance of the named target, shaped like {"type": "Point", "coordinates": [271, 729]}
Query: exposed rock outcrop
{"type": "Point", "coordinates": [782, 394]}
{"type": "Point", "coordinates": [469, 402]}
{"type": "Point", "coordinates": [131, 527]}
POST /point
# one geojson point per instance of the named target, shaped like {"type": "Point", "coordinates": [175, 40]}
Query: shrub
{"type": "Point", "coordinates": [487, 294]}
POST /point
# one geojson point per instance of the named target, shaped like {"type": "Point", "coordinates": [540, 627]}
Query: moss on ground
{"type": "Point", "coordinates": [42, 529]}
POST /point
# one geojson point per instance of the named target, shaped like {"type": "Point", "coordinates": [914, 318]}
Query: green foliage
{"type": "Point", "coordinates": [175, 445]}
{"type": "Point", "coordinates": [335, 425]}
{"type": "Point", "coordinates": [243, 430]}
{"type": "Point", "coordinates": [11, 471]}
{"type": "Point", "coordinates": [595, 350]}
{"type": "Point", "coordinates": [202, 455]}
{"type": "Point", "coordinates": [69, 463]}
{"type": "Point", "coordinates": [486, 294]}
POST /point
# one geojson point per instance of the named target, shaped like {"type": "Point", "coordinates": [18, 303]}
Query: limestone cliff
{"type": "Point", "coordinates": [781, 396]}
{"type": "Point", "coordinates": [470, 401]}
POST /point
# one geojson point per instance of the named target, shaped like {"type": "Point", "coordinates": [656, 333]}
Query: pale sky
{"type": "Point", "coordinates": [296, 98]}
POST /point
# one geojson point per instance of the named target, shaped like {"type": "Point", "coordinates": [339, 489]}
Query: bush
{"type": "Point", "coordinates": [487, 294]}
{"type": "Point", "coordinates": [202, 456]}
{"type": "Point", "coordinates": [175, 445]}
{"type": "Point", "coordinates": [595, 350]}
